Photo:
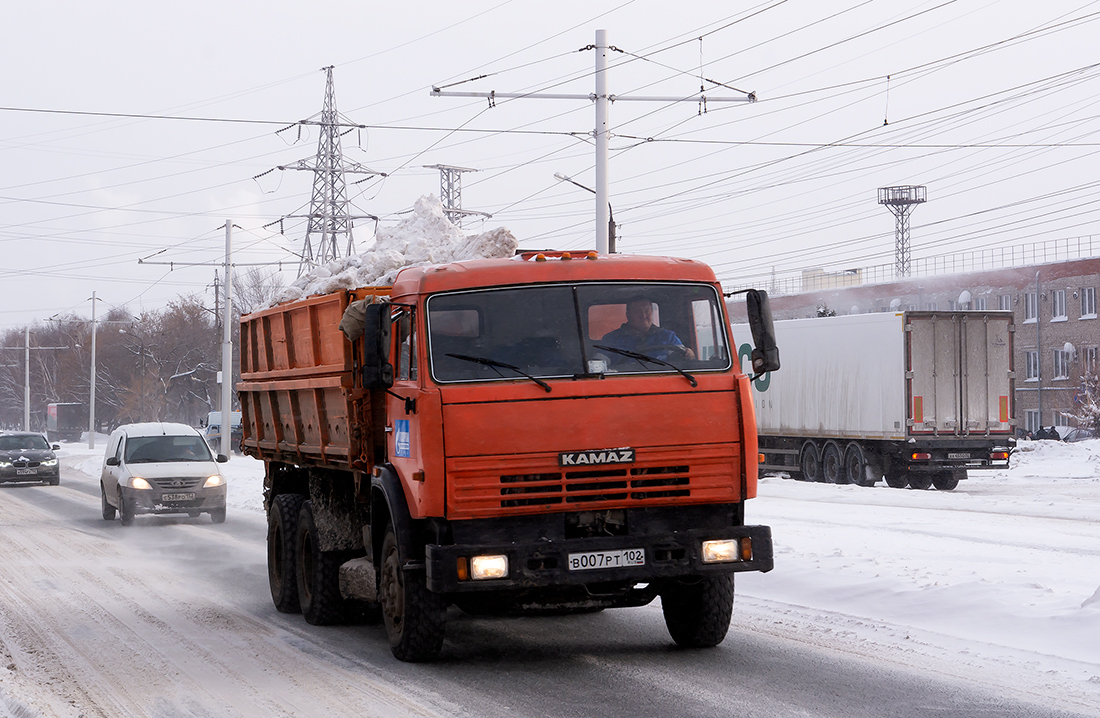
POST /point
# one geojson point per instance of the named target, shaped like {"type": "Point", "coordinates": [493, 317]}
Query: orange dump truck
{"type": "Point", "coordinates": [543, 433]}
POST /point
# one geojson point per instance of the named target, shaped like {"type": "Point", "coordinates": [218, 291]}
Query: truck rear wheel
{"type": "Point", "coordinates": [945, 480]}
{"type": "Point", "coordinates": [920, 482]}
{"type": "Point", "coordinates": [832, 465]}
{"type": "Point", "coordinates": [855, 465]}
{"type": "Point", "coordinates": [697, 614]}
{"type": "Point", "coordinates": [282, 526]}
{"type": "Point", "coordinates": [810, 463]}
{"type": "Point", "coordinates": [318, 574]}
{"type": "Point", "coordinates": [414, 617]}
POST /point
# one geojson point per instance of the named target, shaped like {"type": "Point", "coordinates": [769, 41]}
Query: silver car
{"type": "Point", "coordinates": [161, 468]}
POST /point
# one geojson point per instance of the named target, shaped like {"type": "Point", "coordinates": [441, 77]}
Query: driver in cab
{"type": "Point", "coordinates": [639, 334]}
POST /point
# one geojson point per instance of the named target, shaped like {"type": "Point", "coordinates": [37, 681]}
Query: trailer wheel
{"type": "Point", "coordinates": [810, 462]}
{"type": "Point", "coordinates": [832, 465]}
{"type": "Point", "coordinates": [697, 614]}
{"type": "Point", "coordinates": [414, 617]}
{"type": "Point", "coordinates": [317, 573]}
{"type": "Point", "coordinates": [945, 480]}
{"type": "Point", "coordinates": [282, 525]}
{"type": "Point", "coordinates": [920, 482]}
{"type": "Point", "coordinates": [856, 465]}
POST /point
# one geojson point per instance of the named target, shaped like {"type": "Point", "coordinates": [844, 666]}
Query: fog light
{"type": "Point", "coordinates": [723, 551]}
{"type": "Point", "coordinates": [139, 483]}
{"type": "Point", "coordinates": [212, 481]}
{"type": "Point", "coordinates": [482, 567]}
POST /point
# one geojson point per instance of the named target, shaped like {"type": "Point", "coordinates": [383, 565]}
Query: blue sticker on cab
{"type": "Point", "coordinates": [401, 441]}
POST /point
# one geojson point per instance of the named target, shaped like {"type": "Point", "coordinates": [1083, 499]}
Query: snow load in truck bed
{"type": "Point", "coordinates": [427, 237]}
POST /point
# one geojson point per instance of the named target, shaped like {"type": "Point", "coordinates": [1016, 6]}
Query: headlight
{"type": "Point", "coordinates": [723, 551]}
{"type": "Point", "coordinates": [50, 462]}
{"type": "Point", "coordinates": [212, 481]}
{"type": "Point", "coordinates": [136, 482]}
{"type": "Point", "coordinates": [482, 567]}
{"type": "Point", "coordinates": [5, 464]}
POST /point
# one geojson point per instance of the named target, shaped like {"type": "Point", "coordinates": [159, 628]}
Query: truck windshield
{"type": "Point", "coordinates": [573, 330]}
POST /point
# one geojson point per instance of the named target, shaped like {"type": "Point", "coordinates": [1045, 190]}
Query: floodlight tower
{"type": "Point", "coordinates": [901, 201]}
{"type": "Point", "coordinates": [450, 192]}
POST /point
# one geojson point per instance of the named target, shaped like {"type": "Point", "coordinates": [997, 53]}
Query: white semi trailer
{"type": "Point", "coordinates": [918, 398]}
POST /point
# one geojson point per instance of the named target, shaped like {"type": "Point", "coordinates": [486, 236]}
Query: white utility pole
{"type": "Point", "coordinates": [27, 380]}
{"type": "Point", "coordinates": [602, 131]}
{"type": "Point", "coordinates": [227, 343]}
{"type": "Point", "coordinates": [91, 385]}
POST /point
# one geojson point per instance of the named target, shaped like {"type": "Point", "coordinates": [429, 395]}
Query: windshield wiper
{"type": "Point", "coordinates": [645, 357]}
{"type": "Point", "coordinates": [499, 364]}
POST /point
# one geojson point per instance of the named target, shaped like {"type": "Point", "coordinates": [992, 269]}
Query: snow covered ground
{"type": "Point", "coordinates": [997, 581]}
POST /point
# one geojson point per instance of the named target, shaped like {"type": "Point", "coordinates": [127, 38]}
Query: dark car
{"type": "Point", "coordinates": [26, 456]}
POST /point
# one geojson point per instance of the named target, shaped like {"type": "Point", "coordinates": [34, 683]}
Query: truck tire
{"type": "Point", "coordinates": [810, 462]}
{"type": "Point", "coordinates": [698, 614]}
{"type": "Point", "coordinates": [920, 482]}
{"type": "Point", "coordinates": [282, 527]}
{"type": "Point", "coordinates": [414, 617]}
{"type": "Point", "coordinates": [894, 479]}
{"type": "Point", "coordinates": [108, 510]}
{"type": "Point", "coordinates": [832, 465]}
{"type": "Point", "coordinates": [855, 465]}
{"type": "Point", "coordinates": [318, 574]}
{"type": "Point", "coordinates": [125, 510]}
{"type": "Point", "coordinates": [945, 480]}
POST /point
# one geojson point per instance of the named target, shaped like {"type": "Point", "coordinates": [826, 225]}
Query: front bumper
{"type": "Point", "coordinates": [41, 473]}
{"type": "Point", "coordinates": [154, 501]}
{"type": "Point", "coordinates": [545, 563]}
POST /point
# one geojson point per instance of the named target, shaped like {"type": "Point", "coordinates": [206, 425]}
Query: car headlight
{"type": "Point", "coordinates": [212, 481]}
{"type": "Point", "coordinates": [136, 482]}
{"type": "Point", "coordinates": [50, 462]}
{"type": "Point", "coordinates": [5, 464]}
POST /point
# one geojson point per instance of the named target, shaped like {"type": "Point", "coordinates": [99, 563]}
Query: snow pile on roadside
{"type": "Point", "coordinates": [427, 237]}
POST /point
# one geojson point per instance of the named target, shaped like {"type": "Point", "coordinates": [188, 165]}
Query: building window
{"type": "Point", "coordinates": [1091, 356]}
{"type": "Point", "coordinates": [1030, 307]}
{"type": "Point", "coordinates": [1088, 303]}
{"type": "Point", "coordinates": [1032, 420]}
{"type": "Point", "coordinates": [933, 306]}
{"type": "Point", "coordinates": [1061, 419]}
{"type": "Point", "coordinates": [1033, 365]}
{"type": "Point", "coordinates": [1004, 302]}
{"type": "Point", "coordinates": [1061, 364]}
{"type": "Point", "coordinates": [980, 303]}
{"type": "Point", "coordinates": [1058, 305]}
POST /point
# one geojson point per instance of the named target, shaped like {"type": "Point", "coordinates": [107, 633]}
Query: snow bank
{"type": "Point", "coordinates": [427, 237]}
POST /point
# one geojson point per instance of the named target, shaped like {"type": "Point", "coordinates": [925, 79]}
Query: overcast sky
{"type": "Point", "coordinates": [991, 105]}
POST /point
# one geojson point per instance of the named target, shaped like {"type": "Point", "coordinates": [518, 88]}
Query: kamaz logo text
{"type": "Point", "coordinates": [587, 458]}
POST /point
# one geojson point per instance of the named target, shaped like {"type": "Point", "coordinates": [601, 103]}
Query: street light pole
{"type": "Point", "coordinates": [91, 385]}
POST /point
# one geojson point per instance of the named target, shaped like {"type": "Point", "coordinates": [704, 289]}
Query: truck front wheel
{"type": "Point", "coordinates": [282, 526]}
{"type": "Point", "coordinates": [318, 574]}
{"type": "Point", "coordinates": [697, 613]}
{"type": "Point", "coordinates": [414, 617]}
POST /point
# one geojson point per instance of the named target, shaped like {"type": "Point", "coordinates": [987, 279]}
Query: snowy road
{"type": "Point", "coordinates": [974, 603]}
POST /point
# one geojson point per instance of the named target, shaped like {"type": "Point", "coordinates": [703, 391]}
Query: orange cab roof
{"type": "Point", "coordinates": [517, 271]}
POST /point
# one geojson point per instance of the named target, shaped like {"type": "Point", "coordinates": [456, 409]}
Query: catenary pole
{"type": "Point", "coordinates": [91, 386]}
{"type": "Point", "coordinates": [27, 380]}
{"type": "Point", "coordinates": [227, 343]}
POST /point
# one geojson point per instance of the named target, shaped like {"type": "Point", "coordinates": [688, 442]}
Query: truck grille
{"type": "Point", "coordinates": [518, 486]}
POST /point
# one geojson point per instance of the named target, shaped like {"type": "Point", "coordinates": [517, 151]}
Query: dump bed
{"type": "Point", "coordinates": [299, 390]}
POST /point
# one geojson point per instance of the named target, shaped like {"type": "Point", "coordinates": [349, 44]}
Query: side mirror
{"type": "Point", "coordinates": [377, 370]}
{"type": "Point", "coordinates": [56, 447]}
{"type": "Point", "coordinates": [222, 458]}
{"type": "Point", "coordinates": [765, 357]}
{"type": "Point", "coordinates": [112, 461]}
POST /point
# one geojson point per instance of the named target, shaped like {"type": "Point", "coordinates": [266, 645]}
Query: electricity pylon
{"type": "Point", "coordinates": [330, 219]}
{"type": "Point", "coordinates": [901, 201]}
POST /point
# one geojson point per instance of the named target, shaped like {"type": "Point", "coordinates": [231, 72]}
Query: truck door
{"type": "Point", "coordinates": [935, 402]}
{"type": "Point", "coordinates": [404, 436]}
{"type": "Point", "coordinates": [986, 367]}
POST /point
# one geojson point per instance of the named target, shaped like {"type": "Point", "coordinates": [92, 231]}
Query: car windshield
{"type": "Point", "coordinates": [574, 330]}
{"type": "Point", "coordinates": [149, 449]}
{"type": "Point", "coordinates": [27, 441]}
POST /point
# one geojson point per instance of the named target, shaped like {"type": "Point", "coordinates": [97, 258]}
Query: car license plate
{"type": "Point", "coordinates": [26, 472]}
{"type": "Point", "coordinates": [177, 497]}
{"type": "Point", "coordinates": [606, 559]}
{"type": "Point", "coordinates": [958, 456]}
